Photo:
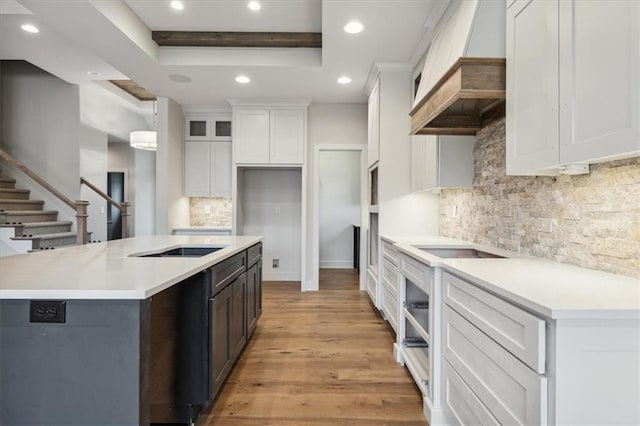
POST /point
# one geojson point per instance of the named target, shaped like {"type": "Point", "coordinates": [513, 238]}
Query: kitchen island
{"type": "Point", "coordinates": [128, 332]}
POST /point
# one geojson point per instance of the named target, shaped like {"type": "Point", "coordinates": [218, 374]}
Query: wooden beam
{"type": "Point", "coordinates": [134, 89]}
{"type": "Point", "coordinates": [236, 39]}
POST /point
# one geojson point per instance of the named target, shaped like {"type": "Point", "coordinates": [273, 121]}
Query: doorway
{"type": "Point", "coordinates": [115, 190]}
{"type": "Point", "coordinates": [339, 173]}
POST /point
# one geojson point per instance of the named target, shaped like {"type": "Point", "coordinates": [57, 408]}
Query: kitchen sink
{"type": "Point", "coordinates": [461, 253]}
{"type": "Point", "coordinates": [181, 252]}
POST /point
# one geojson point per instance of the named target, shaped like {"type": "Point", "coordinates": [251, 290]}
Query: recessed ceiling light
{"type": "Point", "coordinates": [30, 28]}
{"type": "Point", "coordinates": [93, 73]}
{"type": "Point", "coordinates": [344, 80]}
{"type": "Point", "coordinates": [179, 78]}
{"type": "Point", "coordinates": [254, 5]}
{"type": "Point", "coordinates": [177, 5]}
{"type": "Point", "coordinates": [353, 27]}
{"type": "Point", "coordinates": [243, 79]}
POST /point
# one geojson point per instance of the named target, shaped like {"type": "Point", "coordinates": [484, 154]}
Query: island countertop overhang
{"type": "Point", "coordinates": [107, 270]}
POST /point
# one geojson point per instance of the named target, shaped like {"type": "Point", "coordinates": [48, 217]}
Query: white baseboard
{"type": "Point", "coordinates": [280, 276]}
{"type": "Point", "coordinates": [336, 264]}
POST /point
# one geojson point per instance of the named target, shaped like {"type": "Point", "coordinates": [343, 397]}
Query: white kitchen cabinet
{"type": "Point", "coordinates": [251, 141]}
{"type": "Point", "coordinates": [269, 135]}
{"type": "Point", "coordinates": [207, 127]}
{"type": "Point", "coordinates": [207, 169]}
{"type": "Point", "coordinates": [374, 124]}
{"type": "Point", "coordinates": [389, 279]}
{"type": "Point", "coordinates": [286, 144]}
{"type": "Point", "coordinates": [572, 84]}
{"type": "Point", "coordinates": [441, 162]}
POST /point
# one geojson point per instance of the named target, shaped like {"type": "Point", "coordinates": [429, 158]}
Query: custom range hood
{"type": "Point", "coordinates": [462, 85]}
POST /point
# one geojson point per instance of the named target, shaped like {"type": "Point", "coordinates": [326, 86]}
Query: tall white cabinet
{"type": "Point", "coordinates": [207, 154]}
{"type": "Point", "coordinates": [269, 182]}
{"type": "Point", "coordinates": [572, 84]}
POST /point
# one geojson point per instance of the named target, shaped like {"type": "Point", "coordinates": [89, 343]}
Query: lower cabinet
{"type": "Point", "coordinates": [220, 358]}
{"type": "Point", "coordinates": [254, 296]}
{"type": "Point", "coordinates": [237, 327]}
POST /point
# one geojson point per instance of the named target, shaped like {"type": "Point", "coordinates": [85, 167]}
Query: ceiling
{"type": "Point", "coordinates": [80, 41]}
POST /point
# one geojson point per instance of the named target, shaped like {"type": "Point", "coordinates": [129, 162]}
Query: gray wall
{"type": "Point", "coordinates": [40, 116]}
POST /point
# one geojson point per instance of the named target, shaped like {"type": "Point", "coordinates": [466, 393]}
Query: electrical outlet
{"type": "Point", "coordinates": [275, 264]}
{"type": "Point", "coordinates": [207, 210]}
{"type": "Point", "coordinates": [48, 311]}
{"type": "Point", "coordinates": [277, 210]}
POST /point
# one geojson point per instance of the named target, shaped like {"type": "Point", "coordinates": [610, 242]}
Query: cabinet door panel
{"type": "Point", "coordinates": [197, 128]}
{"type": "Point", "coordinates": [238, 328]}
{"type": "Point", "coordinates": [599, 79]}
{"type": "Point", "coordinates": [220, 169]}
{"type": "Point", "coordinates": [287, 137]}
{"type": "Point", "coordinates": [220, 351]}
{"type": "Point", "coordinates": [252, 294]}
{"type": "Point", "coordinates": [374, 125]}
{"type": "Point", "coordinates": [532, 86]}
{"type": "Point", "coordinates": [251, 136]}
{"type": "Point", "coordinates": [197, 173]}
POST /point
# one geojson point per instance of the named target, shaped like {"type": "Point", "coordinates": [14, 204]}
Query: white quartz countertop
{"type": "Point", "coordinates": [108, 271]}
{"type": "Point", "coordinates": [550, 289]}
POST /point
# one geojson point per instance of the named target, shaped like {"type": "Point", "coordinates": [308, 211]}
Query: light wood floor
{"type": "Point", "coordinates": [320, 358]}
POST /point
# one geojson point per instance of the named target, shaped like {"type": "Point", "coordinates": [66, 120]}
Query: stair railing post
{"type": "Point", "coordinates": [81, 218]}
{"type": "Point", "coordinates": [124, 214]}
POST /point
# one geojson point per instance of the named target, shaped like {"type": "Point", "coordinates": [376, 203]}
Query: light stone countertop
{"type": "Point", "coordinates": [547, 288]}
{"type": "Point", "coordinates": [106, 270]}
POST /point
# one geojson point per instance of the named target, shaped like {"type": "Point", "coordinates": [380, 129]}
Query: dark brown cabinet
{"type": "Point", "coordinates": [254, 296]}
{"type": "Point", "coordinates": [220, 358]}
{"type": "Point", "coordinates": [238, 324]}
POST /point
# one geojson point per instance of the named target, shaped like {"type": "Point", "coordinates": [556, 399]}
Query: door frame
{"type": "Point", "coordinates": [314, 283]}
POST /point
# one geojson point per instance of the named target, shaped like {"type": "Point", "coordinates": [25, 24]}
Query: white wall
{"type": "Point", "coordinates": [144, 178]}
{"type": "Point", "coordinates": [271, 202]}
{"type": "Point", "coordinates": [330, 124]}
{"type": "Point", "coordinates": [121, 157]}
{"type": "Point", "coordinates": [401, 212]}
{"type": "Point", "coordinates": [93, 167]}
{"type": "Point", "coordinates": [339, 197]}
{"type": "Point", "coordinates": [172, 207]}
{"type": "Point", "coordinates": [40, 116]}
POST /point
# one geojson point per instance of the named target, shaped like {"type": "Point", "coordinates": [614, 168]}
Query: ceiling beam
{"type": "Point", "coordinates": [236, 39]}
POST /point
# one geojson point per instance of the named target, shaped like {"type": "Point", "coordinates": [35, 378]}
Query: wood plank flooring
{"type": "Point", "coordinates": [321, 358]}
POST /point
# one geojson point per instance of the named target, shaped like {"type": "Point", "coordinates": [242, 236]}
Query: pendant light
{"type": "Point", "coordinates": [145, 139]}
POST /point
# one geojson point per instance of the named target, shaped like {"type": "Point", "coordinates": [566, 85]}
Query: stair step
{"type": "Point", "coordinates": [50, 240]}
{"type": "Point", "coordinates": [14, 194]}
{"type": "Point", "coordinates": [12, 205]}
{"type": "Point", "coordinates": [39, 228]}
{"type": "Point", "coordinates": [28, 216]}
{"type": "Point", "coordinates": [7, 183]}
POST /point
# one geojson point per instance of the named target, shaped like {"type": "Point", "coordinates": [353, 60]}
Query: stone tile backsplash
{"type": "Point", "coordinates": [589, 220]}
{"type": "Point", "coordinates": [215, 212]}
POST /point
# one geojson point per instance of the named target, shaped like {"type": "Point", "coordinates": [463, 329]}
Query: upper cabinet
{"type": "Point", "coordinates": [269, 135]}
{"type": "Point", "coordinates": [207, 127]}
{"type": "Point", "coordinates": [374, 124]}
{"type": "Point", "coordinates": [441, 162]}
{"type": "Point", "coordinates": [572, 84]}
{"type": "Point", "coordinates": [207, 169]}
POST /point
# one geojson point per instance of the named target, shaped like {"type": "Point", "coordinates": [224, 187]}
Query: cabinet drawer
{"type": "Point", "coordinates": [390, 307]}
{"type": "Point", "coordinates": [416, 272]}
{"type": "Point", "coordinates": [224, 273]}
{"type": "Point", "coordinates": [254, 254]}
{"type": "Point", "coordinates": [390, 276]}
{"type": "Point", "coordinates": [518, 331]}
{"type": "Point", "coordinates": [390, 252]}
{"type": "Point", "coordinates": [460, 404]}
{"type": "Point", "coordinates": [511, 391]}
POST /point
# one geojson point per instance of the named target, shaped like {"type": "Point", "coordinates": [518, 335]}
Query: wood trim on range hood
{"type": "Point", "coordinates": [470, 95]}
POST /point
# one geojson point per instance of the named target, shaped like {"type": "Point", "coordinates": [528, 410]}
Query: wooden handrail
{"type": "Point", "coordinates": [20, 166]}
{"type": "Point", "coordinates": [124, 206]}
{"type": "Point", "coordinates": [80, 206]}
{"type": "Point", "coordinates": [100, 193]}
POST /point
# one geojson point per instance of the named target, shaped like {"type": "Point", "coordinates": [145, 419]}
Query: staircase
{"type": "Point", "coordinates": [24, 224]}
